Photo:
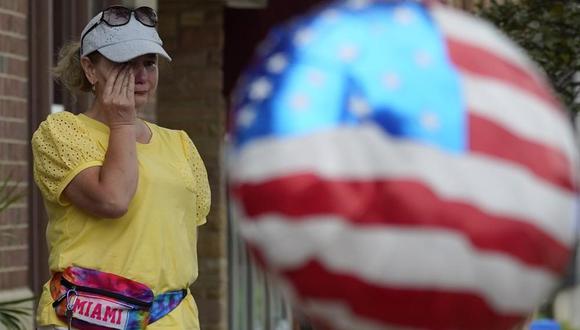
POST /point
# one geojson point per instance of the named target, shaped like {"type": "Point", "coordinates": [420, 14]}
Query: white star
{"type": "Point", "coordinates": [358, 4]}
{"type": "Point", "coordinates": [277, 63]}
{"type": "Point", "coordinates": [246, 117]}
{"type": "Point", "coordinates": [392, 81]}
{"type": "Point", "coordinates": [316, 77]}
{"type": "Point", "coordinates": [404, 16]}
{"type": "Point", "coordinates": [299, 102]}
{"type": "Point", "coordinates": [359, 107]}
{"type": "Point", "coordinates": [348, 53]}
{"type": "Point", "coordinates": [303, 37]}
{"type": "Point", "coordinates": [423, 59]}
{"type": "Point", "coordinates": [260, 89]}
{"type": "Point", "coordinates": [430, 121]}
{"type": "Point", "coordinates": [330, 15]}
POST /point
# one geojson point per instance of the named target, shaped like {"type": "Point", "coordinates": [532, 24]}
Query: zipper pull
{"type": "Point", "coordinates": [69, 317]}
{"type": "Point", "coordinates": [71, 298]}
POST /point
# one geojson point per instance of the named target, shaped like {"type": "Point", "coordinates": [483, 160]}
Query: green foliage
{"type": "Point", "coordinates": [549, 30]}
{"type": "Point", "coordinates": [11, 312]}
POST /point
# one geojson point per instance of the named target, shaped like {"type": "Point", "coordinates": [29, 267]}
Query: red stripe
{"type": "Point", "coordinates": [483, 62]}
{"type": "Point", "coordinates": [550, 164]}
{"type": "Point", "coordinates": [406, 203]}
{"type": "Point", "coordinates": [423, 308]}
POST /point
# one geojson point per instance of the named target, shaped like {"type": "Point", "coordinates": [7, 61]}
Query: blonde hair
{"type": "Point", "coordinates": [69, 72]}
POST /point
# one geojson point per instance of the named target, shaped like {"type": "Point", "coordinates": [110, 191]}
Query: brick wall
{"type": "Point", "coordinates": [14, 141]}
{"type": "Point", "coordinates": [190, 98]}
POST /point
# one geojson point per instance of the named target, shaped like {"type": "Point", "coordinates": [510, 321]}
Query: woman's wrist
{"type": "Point", "coordinates": [122, 124]}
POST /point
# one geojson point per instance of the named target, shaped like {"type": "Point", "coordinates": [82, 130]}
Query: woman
{"type": "Point", "coordinates": [124, 197]}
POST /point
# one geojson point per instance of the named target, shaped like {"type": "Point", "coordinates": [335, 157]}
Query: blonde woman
{"type": "Point", "coordinates": [124, 197]}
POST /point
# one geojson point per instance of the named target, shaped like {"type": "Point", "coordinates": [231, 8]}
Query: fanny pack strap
{"type": "Point", "coordinates": [164, 303]}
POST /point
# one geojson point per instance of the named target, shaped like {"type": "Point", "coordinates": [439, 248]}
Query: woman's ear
{"type": "Point", "coordinates": [89, 69]}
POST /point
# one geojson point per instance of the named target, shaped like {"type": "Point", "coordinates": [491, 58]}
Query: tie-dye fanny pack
{"type": "Point", "coordinates": [88, 299]}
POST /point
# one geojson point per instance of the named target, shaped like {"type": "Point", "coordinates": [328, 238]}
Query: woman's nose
{"type": "Point", "coordinates": [140, 73]}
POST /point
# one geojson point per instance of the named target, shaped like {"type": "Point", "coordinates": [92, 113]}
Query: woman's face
{"type": "Point", "coordinates": [145, 71]}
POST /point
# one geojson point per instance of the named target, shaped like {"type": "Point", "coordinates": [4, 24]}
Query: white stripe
{"type": "Point", "coordinates": [341, 317]}
{"type": "Point", "coordinates": [522, 112]}
{"type": "Point", "coordinates": [334, 312]}
{"type": "Point", "coordinates": [364, 152]}
{"type": "Point", "coordinates": [405, 258]}
{"type": "Point", "coordinates": [480, 33]}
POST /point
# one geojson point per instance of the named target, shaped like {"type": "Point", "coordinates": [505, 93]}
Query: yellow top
{"type": "Point", "coordinates": [155, 242]}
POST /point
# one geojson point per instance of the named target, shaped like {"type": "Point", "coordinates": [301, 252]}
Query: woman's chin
{"type": "Point", "coordinates": [141, 100]}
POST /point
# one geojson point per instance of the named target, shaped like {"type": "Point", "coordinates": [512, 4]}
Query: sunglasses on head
{"type": "Point", "coordinates": [119, 15]}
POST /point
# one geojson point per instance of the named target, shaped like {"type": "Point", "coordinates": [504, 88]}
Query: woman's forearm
{"type": "Point", "coordinates": [119, 173]}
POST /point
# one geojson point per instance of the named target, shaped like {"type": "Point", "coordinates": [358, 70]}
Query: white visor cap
{"type": "Point", "coordinates": [121, 43]}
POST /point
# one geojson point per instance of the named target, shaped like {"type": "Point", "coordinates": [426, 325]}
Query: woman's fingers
{"type": "Point", "coordinates": [118, 98]}
{"type": "Point", "coordinates": [109, 85]}
{"type": "Point", "coordinates": [131, 86]}
{"type": "Point", "coordinates": [120, 83]}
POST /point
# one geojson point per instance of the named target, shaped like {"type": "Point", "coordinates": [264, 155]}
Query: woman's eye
{"type": "Point", "coordinates": [150, 63]}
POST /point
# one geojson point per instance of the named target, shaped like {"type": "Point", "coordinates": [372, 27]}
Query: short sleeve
{"type": "Point", "coordinates": [61, 149]}
{"type": "Point", "coordinates": [201, 183]}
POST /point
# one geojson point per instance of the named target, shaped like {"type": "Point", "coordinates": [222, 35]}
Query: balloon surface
{"type": "Point", "coordinates": [402, 165]}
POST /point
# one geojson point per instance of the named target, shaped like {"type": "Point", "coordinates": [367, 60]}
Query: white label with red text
{"type": "Point", "coordinates": [101, 311]}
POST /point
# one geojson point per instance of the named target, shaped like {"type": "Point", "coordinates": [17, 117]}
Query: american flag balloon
{"type": "Point", "coordinates": [397, 164]}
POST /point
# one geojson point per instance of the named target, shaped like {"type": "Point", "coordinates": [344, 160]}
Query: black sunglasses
{"type": "Point", "coordinates": [119, 15]}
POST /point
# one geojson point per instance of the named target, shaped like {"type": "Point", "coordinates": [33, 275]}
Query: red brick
{"type": "Point", "coordinates": [13, 24]}
{"type": "Point", "coordinates": [13, 66]}
{"type": "Point", "coordinates": [14, 236]}
{"type": "Point", "coordinates": [199, 38]}
{"type": "Point", "coordinates": [18, 173]}
{"type": "Point", "coordinates": [13, 130]}
{"type": "Point", "coordinates": [20, 6]}
{"type": "Point", "coordinates": [13, 151]}
{"type": "Point", "coordinates": [14, 279]}
{"type": "Point", "coordinates": [14, 216]}
{"type": "Point", "coordinates": [14, 258]}
{"type": "Point", "coordinates": [13, 45]}
{"type": "Point", "coordinates": [190, 60]}
{"type": "Point", "coordinates": [13, 109]}
{"type": "Point", "coordinates": [13, 87]}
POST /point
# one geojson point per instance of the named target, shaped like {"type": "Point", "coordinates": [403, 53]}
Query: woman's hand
{"type": "Point", "coordinates": [118, 97]}
{"type": "Point", "coordinates": [106, 191]}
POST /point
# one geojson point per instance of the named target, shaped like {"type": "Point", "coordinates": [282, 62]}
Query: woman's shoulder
{"type": "Point", "coordinates": [176, 137]}
{"type": "Point", "coordinates": [62, 116]}
{"type": "Point", "coordinates": [168, 133]}
{"type": "Point", "coordinates": [58, 123]}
